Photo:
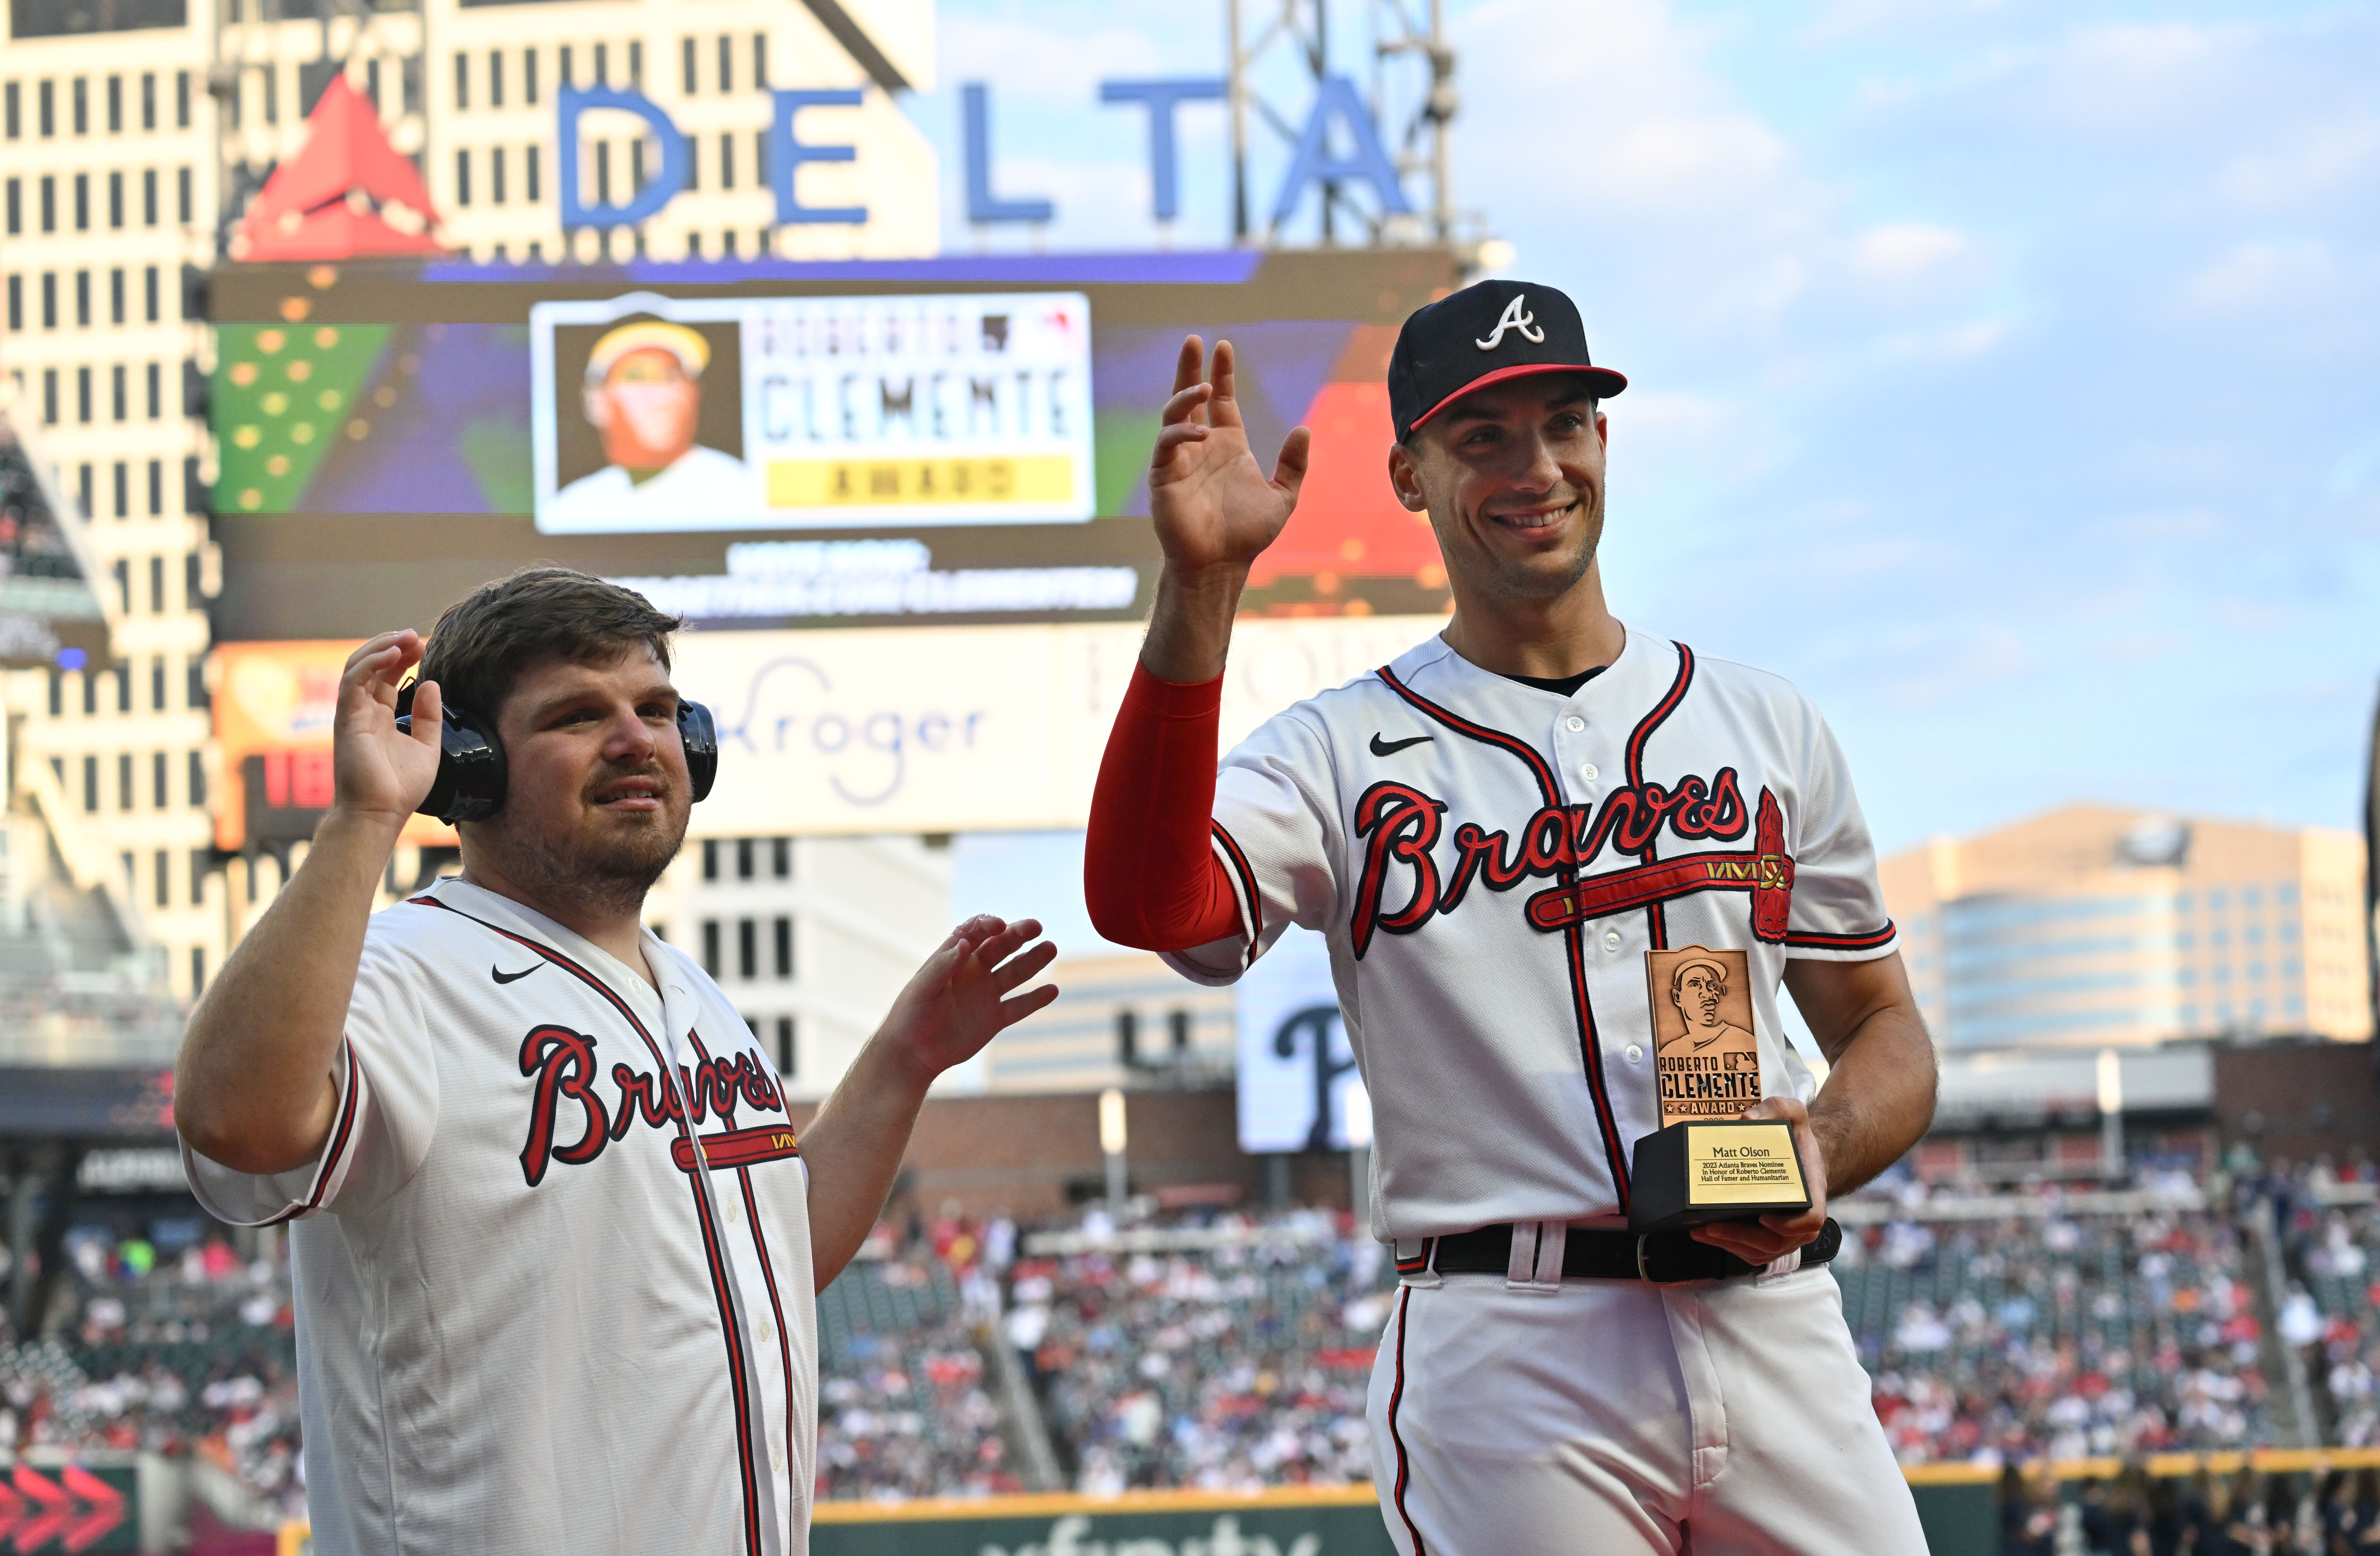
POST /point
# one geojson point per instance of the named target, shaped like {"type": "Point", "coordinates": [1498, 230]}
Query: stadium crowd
{"type": "Point", "coordinates": [1224, 1349]}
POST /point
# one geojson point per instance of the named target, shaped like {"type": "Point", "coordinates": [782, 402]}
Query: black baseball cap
{"type": "Point", "coordinates": [1482, 334]}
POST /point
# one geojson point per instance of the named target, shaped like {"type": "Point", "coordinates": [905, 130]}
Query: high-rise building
{"type": "Point", "coordinates": [2094, 926]}
{"type": "Point", "coordinates": [133, 136]}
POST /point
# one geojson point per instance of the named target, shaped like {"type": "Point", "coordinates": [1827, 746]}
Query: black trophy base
{"type": "Point", "coordinates": [1697, 1172]}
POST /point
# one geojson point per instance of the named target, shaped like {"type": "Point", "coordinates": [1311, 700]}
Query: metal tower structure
{"type": "Point", "coordinates": [1276, 52]}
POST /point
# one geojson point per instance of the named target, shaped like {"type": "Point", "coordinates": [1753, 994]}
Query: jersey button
{"type": "Point", "coordinates": [1635, 1053]}
{"type": "Point", "coordinates": [1612, 939]}
{"type": "Point", "coordinates": [1573, 723]}
{"type": "Point", "coordinates": [777, 1460]}
{"type": "Point", "coordinates": [735, 1211]}
{"type": "Point", "coordinates": [1589, 771]}
{"type": "Point", "coordinates": [764, 1331]}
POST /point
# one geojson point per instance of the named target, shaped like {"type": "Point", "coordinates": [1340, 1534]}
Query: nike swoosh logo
{"type": "Point", "coordinates": [514, 978]}
{"type": "Point", "coordinates": [1390, 747]}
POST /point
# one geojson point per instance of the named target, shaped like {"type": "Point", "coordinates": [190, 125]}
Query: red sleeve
{"type": "Point", "coordinates": [1150, 876]}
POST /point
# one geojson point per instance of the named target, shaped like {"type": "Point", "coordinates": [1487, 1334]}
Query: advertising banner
{"type": "Point", "coordinates": [964, 729]}
{"type": "Point", "coordinates": [861, 729]}
{"type": "Point", "coordinates": [273, 708]}
{"type": "Point", "coordinates": [1298, 1089]}
{"type": "Point", "coordinates": [652, 413]}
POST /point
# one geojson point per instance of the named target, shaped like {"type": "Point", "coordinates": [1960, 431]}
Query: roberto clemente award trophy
{"type": "Point", "coordinates": [1705, 1163]}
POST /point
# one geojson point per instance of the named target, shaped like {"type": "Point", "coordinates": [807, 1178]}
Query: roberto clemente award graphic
{"type": "Point", "coordinates": [1708, 1163]}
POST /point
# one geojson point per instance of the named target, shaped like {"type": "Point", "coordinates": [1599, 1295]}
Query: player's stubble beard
{"type": "Point", "coordinates": [606, 866]}
{"type": "Point", "coordinates": [1501, 576]}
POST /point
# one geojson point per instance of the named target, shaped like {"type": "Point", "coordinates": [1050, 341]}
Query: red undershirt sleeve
{"type": "Point", "coordinates": [1150, 876]}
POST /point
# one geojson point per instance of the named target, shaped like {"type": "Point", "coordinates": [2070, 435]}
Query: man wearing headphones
{"type": "Point", "coordinates": [556, 1242]}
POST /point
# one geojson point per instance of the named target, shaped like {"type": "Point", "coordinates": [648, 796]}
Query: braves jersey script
{"type": "Point", "coordinates": [1508, 877]}
{"type": "Point", "coordinates": [553, 1270]}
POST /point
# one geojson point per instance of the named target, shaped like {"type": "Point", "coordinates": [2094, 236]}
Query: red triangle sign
{"type": "Point", "coordinates": [304, 211]}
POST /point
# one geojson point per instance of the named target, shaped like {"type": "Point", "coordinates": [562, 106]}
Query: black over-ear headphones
{"type": "Point", "coordinates": [470, 783]}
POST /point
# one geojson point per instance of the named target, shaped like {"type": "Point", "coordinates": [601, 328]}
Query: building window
{"type": "Point", "coordinates": [163, 869]}
{"type": "Point", "coordinates": [148, 99]}
{"type": "Point", "coordinates": [15, 304]}
{"type": "Point", "coordinates": [496, 177]}
{"type": "Point", "coordinates": [82, 202]}
{"type": "Point", "coordinates": [182, 195]}
{"type": "Point", "coordinates": [47, 114]}
{"type": "Point", "coordinates": [747, 948]}
{"type": "Point", "coordinates": [116, 202]}
{"type": "Point", "coordinates": [16, 207]}
{"type": "Point", "coordinates": [123, 673]}
{"type": "Point", "coordinates": [636, 64]}
{"type": "Point", "coordinates": [462, 177]}
{"type": "Point", "coordinates": [157, 395]}
{"type": "Point", "coordinates": [197, 970]}
{"type": "Point", "coordinates": [156, 467]}
{"type": "Point", "coordinates": [496, 77]}
{"type": "Point", "coordinates": [462, 81]}
{"type": "Point", "coordinates": [685, 76]}
{"type": "Point", "coordinates": [786, 1050]}
{"type": "Point", "coordinates": [82, 306]}
{"type": "Point", "coordinates": [781, 857]}
{"type": "Point", "coordinates": [90, 765]}
{"type": "Point", "coordinates": [152, 304]}
{"type": "Point", "coordinates": [198, 778]}
{"type": "Point", "coordinates": [727, 164]}
{"type": "Point", "coordinates": [744, 852]}
{"type": "Point", "coordinates": [530, 184]}
{"type": "Point", "coordinates": [123, 779]}
{"type": "Point", "coordinates": [14, 111]}
{"type": "Point", "coordinates": [49, 382]}
{"type": "Point", "coordinates": [120, 393]}
{"type": "Point", "coordinates": [181, 100]}
{"type": "Point", "coordinates": [726, 64]}
{"type": "Point", "coordinates": [82, 105]}
{"type": "Point", "coordinates": [602, 65]}
{"type": "Point", "coordinates": [49, 187]}
{"type": "Point", "coordinates": [710, 858]}
{"type": "Point", "coordinates": [157, 786]}
{"type": "Point", "coordinates": [528, 76]}
{"type": "Point", "coordinates": [760, 62]}
{"type": "Point", "coordinates": [783, 929]}
{"type": "Point", "coordinates": [199, 863]}
{"type": "Point", "coordinates": [710, 963]}
{"type": "Point", "coordinates": [122, 475]}
{"type": "Point", "coordinates": [82, 415]}
{"type": "Point", "coordinates": [156, 586]}
{"type": "Point", "coordinates": [157, 705]}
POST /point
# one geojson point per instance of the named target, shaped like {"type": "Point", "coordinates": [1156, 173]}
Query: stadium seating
{"type": "Point", "coordinates": [901, 1407]}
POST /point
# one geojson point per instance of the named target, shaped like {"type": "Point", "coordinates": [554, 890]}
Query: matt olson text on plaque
{"type": "Point", "coordinates": [1697, 1172]}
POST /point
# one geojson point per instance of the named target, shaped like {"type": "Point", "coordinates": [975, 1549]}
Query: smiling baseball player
{"type": "Point", "coordinates": [1562, 867]}
{"type": "Point", "coordinates": [556, 1242]}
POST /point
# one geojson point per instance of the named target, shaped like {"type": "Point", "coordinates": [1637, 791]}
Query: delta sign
{"type": "Point", "coordinates": [1339, 144]}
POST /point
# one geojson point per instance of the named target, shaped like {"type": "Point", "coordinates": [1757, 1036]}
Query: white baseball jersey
{"type": "Point", "coordinates": [554, 1278]}
{"type": "Point", "coordinates": [1551, 918]}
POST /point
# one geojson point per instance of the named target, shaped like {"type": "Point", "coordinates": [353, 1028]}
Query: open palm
{"type": "Point", "coordinates": [960, 998]}
{"type": "Point", "coordinates": [1211, 501]}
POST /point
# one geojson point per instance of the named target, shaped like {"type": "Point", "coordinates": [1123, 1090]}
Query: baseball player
{"type": "Point", "coordinates": [1495, 833]}
{"type": "Point", "coordinates": [555, 1243]}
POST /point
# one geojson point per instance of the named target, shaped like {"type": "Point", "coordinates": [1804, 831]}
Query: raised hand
{"type": "Point", "coordinates": [378, 769]}
{"type": "Point", "coordinates": [1212, 502]}
{"type": "Point", "coordinates": [954, 1002]}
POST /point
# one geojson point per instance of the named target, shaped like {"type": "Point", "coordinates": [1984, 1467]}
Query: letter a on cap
{"type": "Point", "coordinates": [1513, 318]}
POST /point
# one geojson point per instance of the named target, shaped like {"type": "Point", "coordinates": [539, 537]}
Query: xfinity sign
{"type": "Point", "coordinates": [1339, 144]}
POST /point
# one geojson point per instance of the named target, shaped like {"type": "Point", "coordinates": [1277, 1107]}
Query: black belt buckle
{"type": "Point", "coordinates": [1644, 1246]}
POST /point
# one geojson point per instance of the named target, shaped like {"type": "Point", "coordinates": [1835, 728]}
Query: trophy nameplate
{"type": "Point", "coordinates": [1692, 1173]}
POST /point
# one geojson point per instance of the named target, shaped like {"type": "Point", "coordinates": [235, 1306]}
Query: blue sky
{"type": "Point", "coordinates": [2004, 373]}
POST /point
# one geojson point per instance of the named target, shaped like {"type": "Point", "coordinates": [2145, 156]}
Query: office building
{"type": "Point", "coordinates": [2095, 926]}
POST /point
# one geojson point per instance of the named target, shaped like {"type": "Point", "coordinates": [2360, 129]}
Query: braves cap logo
{"type": "Point", "coordinates": [1515, 318]}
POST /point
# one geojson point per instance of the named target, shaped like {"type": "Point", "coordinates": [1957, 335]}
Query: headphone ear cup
{"type": "Point", "coordinates": [700, 732]}
{"type": "Point", "coordinates": [470, 782]}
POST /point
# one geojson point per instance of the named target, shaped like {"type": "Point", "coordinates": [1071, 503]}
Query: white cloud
{"type": "Point", "coordinates": [1906, 253]}
{"type": "Point", "coordinates": [2260, 273]}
